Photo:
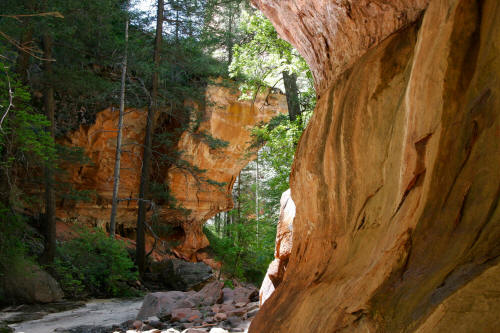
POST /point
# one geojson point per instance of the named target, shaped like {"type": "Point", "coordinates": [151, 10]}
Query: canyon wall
{"type": "Point", "coordinates": [396, 180]}
{"type": "Point", "coordinates": [225, 117]}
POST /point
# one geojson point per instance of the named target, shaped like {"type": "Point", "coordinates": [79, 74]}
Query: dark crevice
{"type": "Point", "coordinates": [462, 207]}
{"type": "Point", "coordinates": [419, 173]}
{"type": "Point", "coordinates": [363, 220]}
{"type": "Point", "coordinates": [364, 206]}
{"type": "Point", "coordinates": [416, 181]}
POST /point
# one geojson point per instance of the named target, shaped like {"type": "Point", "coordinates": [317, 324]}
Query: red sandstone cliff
{"type": "Point", "coordinates": [225, 117]}
{"type": "Point", "coordinates": [396, 180]}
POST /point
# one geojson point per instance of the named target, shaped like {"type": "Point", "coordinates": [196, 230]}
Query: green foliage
{"type": "Point", "coordinates": [243, 255]}
{"type": "Point", "coordinates": [262, 57]}
{"type": "Point", "coordinates": [12, 246]}
{"type": "Point", "coordinates": [94, 265]}
{"type": "Point", "coordinates": [14, 239]}
{"type": "Point", "coordinates": [280, 137]}
{"type": "Point", "coordinates": [22, 127]}
{"type": "Point", "coordinates": [212, 142]}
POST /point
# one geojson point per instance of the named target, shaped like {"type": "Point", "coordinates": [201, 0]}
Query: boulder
{"type": "Point", "coordinates": [194, 330]}
{"type": "Point", "coordinates": [188, 314]}
{"type": "Point", "coordinates": [228, 295]}
{"type": "Point", "coordinates": [210, 294]}
{"type": "Point", "coordinates": [218, 330]}
{"type": "Point", "coordinates": [28, 283]}
{"type": "Point", "coordinates": [171, 330]}
{"type": "Point", "coordinates": [221, 316]}
{"type": "Point", "coordinates": [176, 274]}
{"type": "Point", "coordinates": [245, 295]}
{"type": "Point", "coordinates": [160, 304]}
{"type": "Point", "coordinates": [164, 304]}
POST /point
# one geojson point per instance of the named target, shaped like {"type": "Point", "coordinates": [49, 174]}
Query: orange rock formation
{"type": "Point", "coordinates": [225, 117]}
{"type": "Point", "coordinates": [283, 248]}
{"type": "Point", "coordinates": [396, 179]}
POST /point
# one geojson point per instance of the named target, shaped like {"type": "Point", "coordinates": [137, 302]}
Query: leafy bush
{"type": "Point", "coordinates": [94, 265]}
{"type": "Point", "coordinates": [13, 249]}
{"type": "Point", "coordinates": [240, 254]}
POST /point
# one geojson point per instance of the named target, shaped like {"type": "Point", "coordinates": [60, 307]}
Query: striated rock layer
{"type": "Point", "coordinates": [396, 179]}
{"type": "Point", "coordinates": [224, 117]}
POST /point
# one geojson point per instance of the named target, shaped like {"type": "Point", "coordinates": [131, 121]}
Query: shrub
{"type": "Point", "coordinates": [13, 249]}
{"type": "Point", "coordinates": [94, 265]}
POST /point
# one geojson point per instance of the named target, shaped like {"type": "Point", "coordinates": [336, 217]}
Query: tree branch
{"type": "Point", "coordinates": [11, 98]}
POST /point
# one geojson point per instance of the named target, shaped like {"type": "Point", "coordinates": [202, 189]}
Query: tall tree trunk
{"type": "Point", "coordinates": [292, 94]}
{"type": "Point", "coordinates": [238, 207]}
{"type": "Point", "coordinates": [217, 224]}
{"type": "Point", "coordinates": [229, 35]}
{"type": "Point", "coordinates": [50, 200]}
{"type": "Point", "coordinates": [23, 59]}
{"type": "Point", "coordinates": [257, 208]}
{"type": "Point", "coordinates": [148, 142]}
{"type": "Point", "coordinates": [227, 224]}
{"type": "Point", "coordinates": [116, 185]}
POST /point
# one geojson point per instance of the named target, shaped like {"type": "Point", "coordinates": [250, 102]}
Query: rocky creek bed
{"type": "Point", "coordinates": [212, 309]}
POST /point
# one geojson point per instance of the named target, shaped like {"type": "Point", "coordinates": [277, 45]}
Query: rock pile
{"type": "Point", "coordinates": [213, 309]}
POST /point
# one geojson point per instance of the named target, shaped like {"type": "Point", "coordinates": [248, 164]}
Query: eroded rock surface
{"type": "Point", "coordinates": [332, 35]}
{"type": "Point", "coordinates": [396, 178]}
{"type": "Point", "coordinates": [225, 117]}
{"type": "Point", "coordinates": [283, 247]}
{"type": "Point", "coordinates": [229, 120]}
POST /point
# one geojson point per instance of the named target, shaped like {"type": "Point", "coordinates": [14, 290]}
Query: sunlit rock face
{"type": "Point", "coordinates": [396, 179]}
{"type": "Point", "coordinates": [230, 120]}
{"type": "Point", "coordinates": [283, 247]}
{"type": "Point", "coordinates": [225, 117]}
{"type": "Point", "coordinates": [332, 34]}
{"type": "Point", "coordinates": [98, 142]}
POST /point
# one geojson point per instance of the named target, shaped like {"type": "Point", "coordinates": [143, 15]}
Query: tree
{"type": "Point", "coordinates": [50, 197]}
{"type": "Point", "coordinates": [146, 159]}
{"type": "Point", "coordinates": [116, 183]}
{"type": "Point", "coordinates": [264, 60]}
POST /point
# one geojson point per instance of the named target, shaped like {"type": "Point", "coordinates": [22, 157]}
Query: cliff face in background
{"type": "Point", "coordinates": [396, 180]}
{"type": "Point", "coordinates": [225, 117]}
{"type": "Point", "coordinates": [230, 120]}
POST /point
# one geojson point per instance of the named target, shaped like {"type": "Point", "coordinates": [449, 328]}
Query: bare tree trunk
{"type": "Point", "coordinates": [257, 208]}
{"type": "Point", "coordinates": [239, 197]}
{"type": "Point", "coordinates": [217, 224]}
{"type": "Point", "coordinates": [50, 200]}
{"type": "Point", "coordinates": [148, 142]}
{"type": "Point", "coordinates": [116, 185]}
{"type": "Point", "coordinates": [23, 59]}
{"type": "Point", "coordinates": [292, 94]}
{"type": "Point", "coordinates": [229, 37]}
{"type": "Point", "coordinates": [227, 224]}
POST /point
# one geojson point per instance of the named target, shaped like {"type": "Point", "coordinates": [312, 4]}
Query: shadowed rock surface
{"type": "Point", "coordinates": [175, 274]}
{"type": "Point", "coordinates": [30, 284]}
{"type": "Point", "coordinates": [396, 179]}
